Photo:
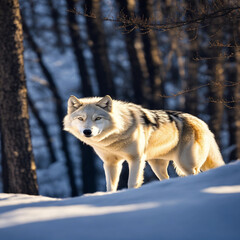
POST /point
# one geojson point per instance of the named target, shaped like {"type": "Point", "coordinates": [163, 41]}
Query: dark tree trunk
{"type": "Point", "coordinates": [44, 129]}
{"type": "Point", "coordinates": [233, 108]}
{"type": "Point", "coordinates": [216, 74]}
{"type": "Point", "coordinates": [88, 167]}
{"type": "Point", "coordinates": [175, 64]}
{"type": "Point", "coordinates": [192, 76]}
{"type": "Point", "coordinates": [98, 45]}
{"type": "Point", "coordinates": [19, 171]}
{"type": "Point", "coordinates": [236, 94]}
{"type": "Point", "coordinates": [76, 40]}
{"type": "Point", "coordinates": [56, 24]}
{"type": "Point", "coordinates": [138, 78]}
{"type": "Point", "coordinates": [152, 56]}
{"type": "Point", "coordinates": [216, 90]}
{"type": "Point", "coordinates": [59, 109]}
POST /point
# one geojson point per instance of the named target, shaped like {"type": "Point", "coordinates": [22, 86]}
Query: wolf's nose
{"type": "Point", "coordinates": [87, 132]}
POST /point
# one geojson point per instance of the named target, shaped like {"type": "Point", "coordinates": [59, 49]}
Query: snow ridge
{"type": "Point", "coordinates": [205, 206]}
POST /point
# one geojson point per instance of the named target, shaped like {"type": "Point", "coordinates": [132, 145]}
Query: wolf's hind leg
{"type": "Point", "coordinates": [112, 173]}
{"type": "Point", "coordinates": [191, 158]}
{"type": "Point", "coordinates": [135, 178]}
{"type": "Point", "coordinates": [183, 170]}
{"type": "Point", "coordinates": [159, 167]}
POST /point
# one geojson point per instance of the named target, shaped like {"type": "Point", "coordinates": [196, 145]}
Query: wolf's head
{"type": "Point", "coordinates": [89, 117]}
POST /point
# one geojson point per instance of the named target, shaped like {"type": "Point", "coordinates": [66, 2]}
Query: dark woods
{"type": "Point", "coordinates": [178, 55]}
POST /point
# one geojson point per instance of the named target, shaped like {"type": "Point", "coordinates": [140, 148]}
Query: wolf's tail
{"type": "Point", "coordinates": [214, 158]}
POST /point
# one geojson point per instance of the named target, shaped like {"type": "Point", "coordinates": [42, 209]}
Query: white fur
{"type": "Point", "coordinates": [125, 131]}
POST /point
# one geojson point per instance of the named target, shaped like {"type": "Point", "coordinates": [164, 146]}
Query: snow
{"type": "Point", "coordinates": [205, 206]}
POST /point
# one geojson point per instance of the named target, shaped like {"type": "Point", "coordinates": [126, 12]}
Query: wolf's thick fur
{"type": "Point", "coordinates": [121, 131]}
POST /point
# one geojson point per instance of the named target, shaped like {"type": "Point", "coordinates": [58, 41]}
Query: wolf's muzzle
{"type": "Point", "coordinates": [87, 132]}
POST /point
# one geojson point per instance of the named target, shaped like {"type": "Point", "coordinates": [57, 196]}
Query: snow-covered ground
{"type": "Point", "coordinates": [204, 207]}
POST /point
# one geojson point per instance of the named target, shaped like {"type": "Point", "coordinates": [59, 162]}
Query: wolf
{"type": "Point", "coordinates": [119, 131]}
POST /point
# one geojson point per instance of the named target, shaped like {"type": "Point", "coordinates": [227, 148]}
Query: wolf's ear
{"type": "Point", "coordinates": [73, 104]}
{"type": "Point", "coordinates": [105, 103]}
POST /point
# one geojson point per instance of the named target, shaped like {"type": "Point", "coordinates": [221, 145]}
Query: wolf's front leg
{"type": "Point", "coordinates": [135, 178]}
{"type": "Point", "coordinates": [112, 173]}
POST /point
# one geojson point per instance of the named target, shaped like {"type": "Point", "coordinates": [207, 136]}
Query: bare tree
{"type": "Point", "coordinates": [74, 32]}
{"type": "Point", "coordinates": [233, 92]}
{"type": "Point", "coordinates": [192, 76]}
{"type": "Point", "coordinates": [56, 24]}
{"type": "Point", "coordinates": [19, 171]}
{"type": "Point", "coordinates": [152, 56]}
{"type": "Point", "coordinates": [88, 159]}
{"type": "Point", "coordinates": [216, 77]}
{"type": "Point", "coordinates": [59, 108]}
{"type": "Point", "coordinates": [138, 74]}
{"type": "Point", "coordinates": [236, 94]}
{"type": "Point", "coordinates": [44, 129]}
{"type": "Point", "coordinates": [98, 45]}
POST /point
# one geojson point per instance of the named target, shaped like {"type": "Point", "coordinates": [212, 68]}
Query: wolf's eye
{"type": "Point", "coordinates": [98, 118]}
{"type": "Point", "coordinates": [80, 118]}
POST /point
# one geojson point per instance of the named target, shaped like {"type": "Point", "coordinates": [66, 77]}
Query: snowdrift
{"type": "Point", "coordinates": [206, 206]}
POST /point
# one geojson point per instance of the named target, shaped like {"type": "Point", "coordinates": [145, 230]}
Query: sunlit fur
{"type": "Point", "coordinates": [125, 131]}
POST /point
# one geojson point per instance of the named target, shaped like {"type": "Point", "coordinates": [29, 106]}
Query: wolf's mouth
{"type": "Point", "coordinates": [88, 136]}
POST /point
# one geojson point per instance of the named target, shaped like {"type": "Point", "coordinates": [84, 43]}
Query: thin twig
{"type": "Point", "coordinates": [151, 24]}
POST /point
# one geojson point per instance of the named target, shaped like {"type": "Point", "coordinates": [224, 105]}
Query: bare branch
{"type": "Point", "coordinates": [227, 103]}
{"type": "Point", "coordinates": [142, 23]}
{"type": "Point", "coordinates": [185, 91]}
{"type": "Point", "coordinates": [213, 83]}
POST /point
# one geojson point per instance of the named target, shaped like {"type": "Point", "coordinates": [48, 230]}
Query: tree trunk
{"type": "Point", "coordinates": [76, 40]}
{"type": "Point", "coordinates": [56, 24]}
{"type": "Point", "coordinates": [59, 110]}
{"type": "Point", "coordinates": [236, 94]}
{"type": "Point", "coordinates": [233, 109]}
{"type": "Point", "coordinates": [19, 171]}
{"type": "Point", "coordinates": [88, 157]}
{"type": "Point", "coordinates": [216, 88]}
{"type": "Point", "coordinates": [192, 75]}
{"type": "Point", "coordinates": [139, 78]}
{"type": "Point", "coordinates": [175, 65]}
{"type": "Point", "coordinates": [98, 45]}
{"type": "Point", "coordinates": [44, 129]}
{"type": "Point", "coordinates": [152, 56]}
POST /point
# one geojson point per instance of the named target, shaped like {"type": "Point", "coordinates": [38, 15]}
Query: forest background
{"type": "Point", "coordinates": [166, 54]}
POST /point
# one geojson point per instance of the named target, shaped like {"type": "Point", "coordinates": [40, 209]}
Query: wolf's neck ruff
{"type": "Point", "coordinates": [121, 131]}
